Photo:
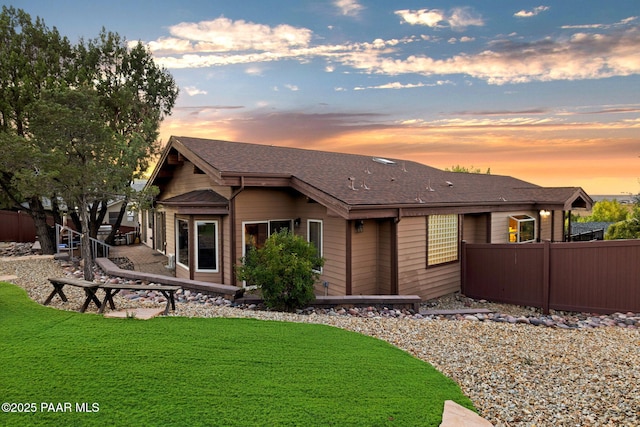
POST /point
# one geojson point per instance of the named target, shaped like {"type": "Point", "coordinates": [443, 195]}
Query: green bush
{"type": "Point", "coordinates": [629, 229]}
{"type": "Point", "coordinates": [284, 269]}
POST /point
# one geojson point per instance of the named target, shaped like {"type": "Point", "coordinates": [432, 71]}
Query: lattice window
{"type": "Point", "coordinates": [442, 239]}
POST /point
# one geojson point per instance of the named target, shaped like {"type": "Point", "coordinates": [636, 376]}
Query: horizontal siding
{"type": "Point", "coordinates": [384, 258]}
{"type": "Point", "coordinates": [364, 259]}
{"type": "Point", "coordinates": [184, 181]}
{"type": "Point", "coordinates": [335, 254]}
{"type": "Point", "coordinates": [414, 277]}
{"type": "Point", "coordinates": [500, 225]}
{"type": "Point", "coordinates": [475, 228]}
{"type": "Point", "coordinates": [433, 282]}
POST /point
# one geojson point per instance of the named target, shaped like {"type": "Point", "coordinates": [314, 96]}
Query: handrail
{"type": "Point", "coordinates": [98, 247]}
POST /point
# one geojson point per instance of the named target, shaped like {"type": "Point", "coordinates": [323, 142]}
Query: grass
{"type": "Point", "coordinates": [227, 372]}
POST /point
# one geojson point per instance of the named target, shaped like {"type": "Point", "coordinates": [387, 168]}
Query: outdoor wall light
{"type": "Point", "coordinates": [296, 222]}
{"type": "Point", "coordinates": [359, 224]}
{"type": "Point", "coordinates": [544, 213]}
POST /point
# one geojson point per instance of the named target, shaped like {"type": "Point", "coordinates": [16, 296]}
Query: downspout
{"type": "Point", "coordinates": [232, 231]}
{"type": "Point", "coordinates": [395, 290]}
{"type": "Point", "coordinates": [395, 254]}
{"type": "Point", "coordinates": [349, 259]}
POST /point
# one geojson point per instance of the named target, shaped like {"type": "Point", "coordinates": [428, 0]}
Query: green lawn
{"type": "Point", "coordinates": [190, 372]}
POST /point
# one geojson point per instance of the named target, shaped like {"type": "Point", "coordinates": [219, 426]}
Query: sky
{"type": "Point", "coordinates": [545, 91]}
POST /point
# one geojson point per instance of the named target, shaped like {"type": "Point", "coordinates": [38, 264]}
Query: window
{"type": "Point", "coordinates": [276, 226]}
{"type": "Point", "coordinates": [314, 235]}
{"type": "Point", "coordinates": [442, 239]}
{"type": "Point", "coordinates": [113, 217]}
{"type": "Point", "coordinates": [207, 238]}
{"type": "Point", "coordinates": [256, 233]}
{"type": "Point", "coordinates": [522, 229]}
{"type": "Point", "coordinates": [182, 242]}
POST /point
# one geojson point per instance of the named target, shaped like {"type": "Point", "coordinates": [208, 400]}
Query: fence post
{"type": "Point", "coordinates": [546, 274]}
{"type": "Point", "coordinates": [463, 267]}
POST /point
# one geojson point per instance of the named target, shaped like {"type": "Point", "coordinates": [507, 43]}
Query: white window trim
{"type": "Point", "coordinates": [321, 248]}
{"type": "Point", "coordinates": [244, 235]}
{"type": "Point", "coordinates": [177, 233]}
{"type": "Point", "coordinates": [215, 237]}
{"type": "Point", "coordinates": [517, 233]}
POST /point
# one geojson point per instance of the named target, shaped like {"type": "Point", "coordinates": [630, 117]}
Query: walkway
{"type": "Point", "coordinates": [144, 258]}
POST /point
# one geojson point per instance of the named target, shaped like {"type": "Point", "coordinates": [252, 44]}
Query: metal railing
{"type": "Point", "coordinates": [68, 240]}
{"type": "Point", "coordinates": [587, 236]}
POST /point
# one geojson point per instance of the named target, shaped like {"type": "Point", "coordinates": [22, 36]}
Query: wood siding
{"type": "Point", "coordinates": [500, 225]}
{"type": "Point", "coordinates": [184, 181]}
{"type": "Point", "coordinates": [475, 228]}
{"type": "Point", "coordinates": [365, 259]}
{"type": "Point", "coordinates": [384, 262]}
{"type": "Point", "coordinates": [335, 254]}
{"type": "Point", "coordinates": [414, 277]}
{"type": "Point", "coordinates": [274, 204]}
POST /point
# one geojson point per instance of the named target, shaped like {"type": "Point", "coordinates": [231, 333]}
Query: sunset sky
{"type": "Point", "coordinates": [545, 91]}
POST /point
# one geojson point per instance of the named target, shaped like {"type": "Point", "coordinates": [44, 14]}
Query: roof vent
{"type": "Point", "coordinates": [383, 161]}
{"type": "Point", "coordinates": [352, 185]}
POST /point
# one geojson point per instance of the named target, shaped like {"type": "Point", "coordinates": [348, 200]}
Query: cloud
{"type": "Point", "coordinates": [291, 87]}
{"type": "Point", "coordinates": [620, 23]}
{"type": "Point", "coordinates": [349, 7]}
{"type": "Point", "coordinates": [253, 71]}
{"type": "Point", "coordinates": [430, 18]}
{"type": "Point", "coordinates": [500, 112]}
{"type": "Point", "coordinates": [225, 35]}
{"type": "Point", "coordinates": [582, 55]}
{"type": "Point", "coordinates": [457, 18]}
{"type": "Point", "coordinates": [398, 85]}
{"type": "Point", "coordinates": [193, 91]}
{"type": "Point", "coordinates": [530, 13]}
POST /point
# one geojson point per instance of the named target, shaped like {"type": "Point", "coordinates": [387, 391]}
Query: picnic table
{"type": "Point", "coordinates": [90, 289]}
{"type": "Point", "coordinates": [110, 289]}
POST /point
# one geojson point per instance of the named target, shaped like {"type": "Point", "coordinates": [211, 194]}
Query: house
{"type": "Point", "coordinates": [384, 226]}
{"type": "Point", "coordinates": [130, 221]}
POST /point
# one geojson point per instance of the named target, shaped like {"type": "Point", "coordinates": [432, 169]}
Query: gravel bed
{"type": "Point", "coordinates": [516, 374]}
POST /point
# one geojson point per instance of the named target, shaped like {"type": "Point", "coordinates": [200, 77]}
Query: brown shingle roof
{"type": "Point", "coordinates": [358, 180]}
{"type": "Point", "coordinates": [197, 198]}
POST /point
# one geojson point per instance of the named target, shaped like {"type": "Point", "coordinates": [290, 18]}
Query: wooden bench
{"type": "Point", "coordinates": [112, 289]}
{"type": "Point", "coordinates": [90, 289]}
{"type": "Point", "coordinates": [209, 288]}
{"type": "Point", "coordinates": [412, 301]}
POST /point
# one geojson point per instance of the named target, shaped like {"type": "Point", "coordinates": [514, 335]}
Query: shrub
{"type": "Point", "coordinates": [629, 229]}
{"type": "Point", "coordinates": [284, 269]}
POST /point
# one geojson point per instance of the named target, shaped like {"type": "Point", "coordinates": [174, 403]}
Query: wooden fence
{"type": "Point", "coordinates": [597, 277]}
{"type": "Point", "coordinates": [16, 227]}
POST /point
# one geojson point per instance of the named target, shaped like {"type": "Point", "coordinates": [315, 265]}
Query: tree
{"type": "Point", "coordinates": [607, 211]}
{"type": "Point", "coordinates": [284, 269]}
{"type": "Point", "coordinates": [136, 95]}
{"type": "Point", "coordinates": [34, 58]}
{"type": "Point", "coordinates": [133, 93]}
{"type": "Point", "coordinates": [626, 229]}
{"type": "Point", "coordinates": [464, 169]}
{"type": "Point", "coordinates": [80, 151]}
